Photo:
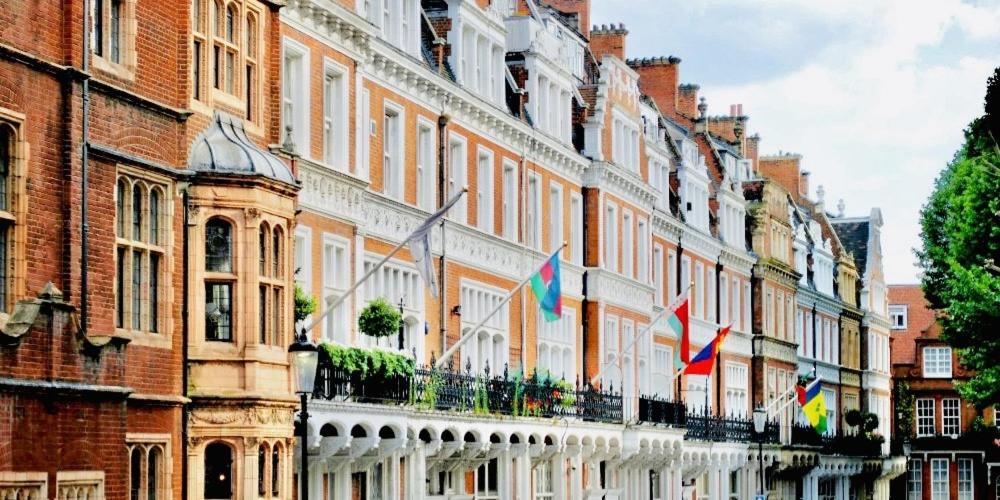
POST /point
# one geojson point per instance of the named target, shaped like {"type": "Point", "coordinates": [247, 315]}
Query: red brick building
{"type": "Point", "coordinates": [951, 444]}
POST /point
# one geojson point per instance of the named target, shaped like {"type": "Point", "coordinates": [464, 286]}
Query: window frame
{"type": "Point", "coordinates": [393, 150]}
{"type": "Point", "coordinates": [938, 368]}
{"type": "Point", "coordinates": [336, 145]}
{"type": "Point", "coordinates": [925, 414]}
{"type": "Point", "coordinates": [147, 443]}
{"type": "Point", "coordinates": [900, 311]}
{"type": "Point", "coordinates": [951, 417]}
{"type": "Point", "coordinates": [122, 65]}
{"type": "Point", "coordinates": [12, 219]}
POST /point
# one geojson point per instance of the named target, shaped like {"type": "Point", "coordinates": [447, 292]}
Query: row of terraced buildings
{"type": "Point", "coordinates": [173, 171]}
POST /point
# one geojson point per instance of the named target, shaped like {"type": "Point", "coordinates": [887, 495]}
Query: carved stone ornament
{"type": "Point", "coordinates": [251, 213]}
{"type": "Point", "coordinates": [243, 416]}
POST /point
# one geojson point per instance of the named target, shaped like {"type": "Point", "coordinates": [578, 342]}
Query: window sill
{"type": "Point", "coordinates": [145, 339]}
{"type": "Point", "coordinates": [118, 70]}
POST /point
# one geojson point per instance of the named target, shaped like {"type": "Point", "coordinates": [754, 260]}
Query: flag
{"type": "Point", "coordinates": [678, 322]}
{"type": "Point", "coordinates": [813, 404]}
{"type": "Point", "coordinates": [546, 285]}
{"type": "Point", "coordinates": [703, 362]}
{"type": "Point", "coordinates": [420, 245]}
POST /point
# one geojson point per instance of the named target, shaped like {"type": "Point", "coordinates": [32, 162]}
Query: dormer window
{"type": "Point", "coordinates": [625, 143]}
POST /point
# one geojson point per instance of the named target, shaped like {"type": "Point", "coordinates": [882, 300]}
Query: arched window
{"type": "Point", "coordinates": [262, 238]}
{"type": "Point", "coordinates": [154, 216]}
{"type": "Point", "coordinates": [231, 24]}
{"type": "Point", "coordinates": [140, 252]}
{"type": "Point", "coordinates": [262, 470]}
{"type": "Point", "coordinates": [122, 195]}
{"type": "Point", "coordinates": [271, 287]}
{"type": "Point", "coordinates": [135, 473]}
{"type": "Point", "coordinates": [219, 281]}
{"type": "Point", "coordinates": [137, 195]}
{"type": "Point", "coordinates": [250, 56]}
{"type": "Point", "coordinates": [276, 470]}
{"type": "Point", "coordinates": [153, 461]}
{"type": "Point", "coordinates": [218, 468]}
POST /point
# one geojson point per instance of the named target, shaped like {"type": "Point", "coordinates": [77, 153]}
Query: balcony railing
{"type": "Point", "coordinates": [448, 389]}
{"type": "Point", "coordinates": [850, 444]}
{"type": "Point", "coordinates": [718, 428]}
{"type": "Point", "coordinates": [654, 410]}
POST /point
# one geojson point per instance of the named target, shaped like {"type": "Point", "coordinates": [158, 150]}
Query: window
{"type": "Point", "coordinates": [400, 285]}
{"type": "Point", "coordinates": [147, 470]}
{"type": "Point", "coordinates": [827, 489]}
{"type": "Point", "coordinates": [484, 191]}
{"type": "Point", "coordinates": [735, 318]}
{"type": "Point", "coordinates": [141, 212]}
{"type": "Point", "coordinates": [111, 37]}
{"type": "Point", "coordinates": [336, 278]}
{"type": "Point", "coordinates": [557, 346]}
{"type": "Point", "coordinates": [276, 470]}
{"type": "Point", "coordinates": [939, 479]}
{"type": "Point", "coordinates": [262, 456]}
{"type": "Point", "coordinates": [225, 46]}
{"type": "Point", "coordinates": [951, 417]}
{"type": "Point", "coordinates": [830, 398]}
{"type": "Point", "coordinates": [198, 43]}
{"type": "Point", "coordinates": [426, 186]}
{"type": "Point", "coordinates": [555, 217]}
{"type": "Point", "coordinates": [576, 228]}
{"type": "Point", "coordinates": [710, 296]}
{"type": "Point", "coordinates": [699, 290]}
{"type": "Point", "coordinates": [897, 317]}
{"type": "Point", "coordinates": [457, 174]}
{"type": "Point", "coordinates": [510, 200]}
{"type": "Point", "coordinates": [611, 238]}
{"type": "Point", "coordinates": [219, 280]}
{"type": "Point", "coordinates": [250, 82]}
{"type": "Point", "coordinates": [671, 276]}
{"type": "Point", "coordinates": [533, 215]}
{"type": "Point", "coordinates": [392, 154]}
{"type": "Point", "coordinates": [611, 340]}
{"type": "Point", "coordinates": [937, 362]}
{"type": "Point", "coordinates": [658, 273]}
{"type": "Point", "coordinates": [914, 480]}
{"type": "Point", "coordinates": [663, 369]}
{"type": "Point", "coordinates": [302, 264]}
{"type": "Point", "coordinates": [335, 128]}
{"type": "Point", "coordinates": [628, 244]}
{"type": "Point", "coordinates": [271, 301]}
{"type": "Point", "coordinates": [925, 417]}
{"type": "Point", "coordinates": [294, 96]}
{"type": "Point", "coordinates": [543, 481]}
{"type": "Point", "coordinates": [643, 251]}
{"type": "Point", "coordinates": [489, 347]}
{"type": "Point", "coordinates": [625, 144]}
{"type": "Point", "coordinates": [965, 488]}
{"type": "Point", "coordinates": [737, 381]}
{"type": "Point", "coordinates": [218, 470]}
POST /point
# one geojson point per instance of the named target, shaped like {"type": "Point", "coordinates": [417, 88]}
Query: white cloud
{"type": "Point", "coordinates": [874, 118]}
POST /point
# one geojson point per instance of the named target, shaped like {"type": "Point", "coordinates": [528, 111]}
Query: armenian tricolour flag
{"type": "Point", "coordinates": [703, 362]}
{"type": "Point", "coordinates": [545, 284]}
{"type": "Point", "coordinates": [813, 404]}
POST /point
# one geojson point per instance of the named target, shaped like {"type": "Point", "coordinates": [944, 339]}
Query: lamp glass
{"type": "Point", "coordinates": [304, 362]}
{"type": "Point", "coordinates": [759, 420]}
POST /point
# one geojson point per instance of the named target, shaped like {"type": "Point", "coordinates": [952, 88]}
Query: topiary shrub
{"type": "Point", "coordinates": [853, 418]}
{"type": "Point", "coordinates": [305, 304]}
{"type": "Point", "coordinates": [379, 319]}
{"type": "Point", "coordinates": [870, 422]}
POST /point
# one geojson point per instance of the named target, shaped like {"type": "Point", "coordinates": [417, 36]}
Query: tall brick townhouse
{"type": "Point", "coordinates": [954, 452]}
{"type": "Point", "coordinates": [146, 228]}
{"type": "Point", "coordinates": [234, 151]}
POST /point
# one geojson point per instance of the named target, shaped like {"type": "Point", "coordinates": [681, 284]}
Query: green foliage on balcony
{"type": "Point", "coordinates": [376, 364]}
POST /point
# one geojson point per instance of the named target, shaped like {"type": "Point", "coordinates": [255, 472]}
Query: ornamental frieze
{"type": "Point", "coordinates": [246, 415]}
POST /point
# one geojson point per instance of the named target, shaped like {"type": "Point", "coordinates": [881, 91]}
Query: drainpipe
{"type": "Point", "coordinates": [184, 349]}
{"type": "Point", "coordinates": [84, 177]}
{"type": "Point", "coordinates": [442, 185]}
{"type": "Point", "coordinates": [680, 289]}
{"type": "Point", "coordinates": [718, 316]}
{"type": "Point", "coordinates": [814, 336]}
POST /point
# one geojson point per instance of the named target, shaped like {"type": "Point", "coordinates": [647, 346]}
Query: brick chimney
{"type": "Point", "coordinates": [751, 151]}
{"type": "Point", "coordinates": [687, 100]}
{"type": "Point", "coordinates": [608, 40]}
{"type": "Point", "coordinates": [658, 79]}
{"type": "Point", "coordinates": [785, 169]}
{"type": "Point", "coordinates": [729, 128]}
{"type": "Point", "coordinates": [578, 8]}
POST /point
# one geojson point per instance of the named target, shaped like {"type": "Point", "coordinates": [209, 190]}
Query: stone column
{"type": "Point", "coordinates": [249, 479]}
{"type": "Point", "coordinates": [558, 476]}
{"type": "Point", "coordinates": [317, 468]}
{"type": "Point", "coordinates": [391, 465]}
{"type": "Point", "coordinates": [576, 476]}
{"type": "Point", "coordinates": [196, 469]}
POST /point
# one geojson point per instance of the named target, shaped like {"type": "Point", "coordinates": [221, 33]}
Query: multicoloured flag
{"type": "Point", "coordinates": [702, 363]}
{"type": "Point", "coordinates": [546, 285]}
{"type": "Point", "coordinates": [678, 322]}
{"type": "Point", "coordinates": [813, 404]}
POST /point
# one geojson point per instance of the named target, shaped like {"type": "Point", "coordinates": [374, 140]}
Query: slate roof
{"type": "Point", "coordinates": [224, 147]}
{"type": "Point", "coordinates": [853, 235]}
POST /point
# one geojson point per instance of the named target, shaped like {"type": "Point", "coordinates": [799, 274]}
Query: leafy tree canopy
{"type": "Point", "coordinates": [961, 249]}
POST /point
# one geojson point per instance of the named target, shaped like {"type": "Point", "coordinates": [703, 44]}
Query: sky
{"type": "Point", "coordinates": [874, 94]}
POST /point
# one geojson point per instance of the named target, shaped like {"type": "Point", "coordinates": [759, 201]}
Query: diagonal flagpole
{"type": "Point", "coordinates": [336, 303]}
{"type": "Point", "coordinates": [644, 331]}
{"type": "Point", "coordinates": [472, 331]}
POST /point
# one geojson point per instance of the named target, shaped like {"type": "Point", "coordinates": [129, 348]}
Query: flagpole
{"type": "Point", "coordinates": [339, 300]}
{"type": "Point", "coordinates": [472, 332]}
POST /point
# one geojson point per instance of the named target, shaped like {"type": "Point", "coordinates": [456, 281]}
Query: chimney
{"type": "Point", "coordinates": [687, 100]}
{"type": "Point", "coordinates": [784, 169]}
{"type": "Point", "coordinates": [752, 151]}
{"type": "Point", "coordinates": [579, 8]}
{"type": "Point", "coordinates": [804, 184]}
{"type": "Point", "coordinates": [658, 80]}
{"type": "Point", "coordinates": [608, 40]}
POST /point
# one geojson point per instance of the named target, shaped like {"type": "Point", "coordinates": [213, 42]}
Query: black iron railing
{"type": "Point", "coordinates": [841, 443]}
{"type": "Point", "coordinates": [449, 389]}
{"type": "Point", "coordinates": [718, 428]}
{"type": "Point", "coordinates": [656, 410]}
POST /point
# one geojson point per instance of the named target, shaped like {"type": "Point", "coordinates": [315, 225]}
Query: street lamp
{"type": "Point", "coordinates": [304, 359]}
{"type": "Point", "coordinates": [759, 423]}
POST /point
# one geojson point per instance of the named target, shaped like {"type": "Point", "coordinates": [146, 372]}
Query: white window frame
{"type": "Point", "coordinates": [557, 345]}
{"type": "Point", "coordinates": [628, 243]}
{"type": "Point", "coordinates": [295, 95]}
{"type": "Point", "coordinates": [511, 200]}
{"type": "Point", "coordinates": [576, 228]}
{"type": "Point", "coordinates": [335, 114]}
{"type": "Point", "coordinates": [334, 284]}
{"type": "Point", "coordinates": [302, 248]}
{"type": "Point", "coordinates": [611, 237]}
{"type": "Point", "coordinates": [699, 290]}
{"type": "Point", "coordinates": [937, 362]}
{"type": "Point", "coordinates": [555, 216]}
{"type": "Point", "coordinates": [951, 417]}
{"type": "Point", "coordinates": [898, 317]}
{"type": "Point", "coordinates": [939, 479]}
{"type": "Point", "coordinates": [533, 212]}
{"type": "Point", "coordinates": [671, 275]}
{"type": "Point", "coordinates": [914, 479]}
{"type": "Point", "coordinates": [458, 175]}
{"type": "Point", "coordinates": [643, 250]}
{"type": "Point", "coordinates": [966, 479]}
{"type": "Point", "coordinates": [925, 415]}
{"type": "Point", "coordinates": [737, 386]}
{"type": "Point", "coordinates": [426, 166]}
{"type": "Point", "coordinates": [658, 273]}
{"type": "Point", "coordinates": [393, 150]}
{"type": "Point", "coordinates": [485, 165]}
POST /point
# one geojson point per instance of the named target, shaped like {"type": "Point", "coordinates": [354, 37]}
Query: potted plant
{"type": "Point", "coordinates": [379, 319]}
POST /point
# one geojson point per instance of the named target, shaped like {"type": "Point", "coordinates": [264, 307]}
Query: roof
{"type": "Point", "coordinates": [224, 148]}
{"type": "Point", "coordinates": [920, 322]}
{"type": "Point", "coordinates": [853, 235]}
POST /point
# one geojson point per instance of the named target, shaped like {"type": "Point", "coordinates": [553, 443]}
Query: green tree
{"type": "Point", "coordinates": [961, 247]}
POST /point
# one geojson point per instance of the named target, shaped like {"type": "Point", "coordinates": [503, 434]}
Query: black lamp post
{"type": "Point", "coordinates": [304, 360]}
{"type": "Point", "coordinates": [401, 337]}
{"type": "Point", "coordinates": [759, 425]}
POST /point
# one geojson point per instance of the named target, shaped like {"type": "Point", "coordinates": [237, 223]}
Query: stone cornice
{"type": "Point", "coordinates": [702, 244]}
{"type": "Point", "coordinates": [771, 269]}
{"type": "Point", "coordinates": [619, 182]}
{"type": "Point", "coordinates": [615, 289]}
{"type": "Point", "coordinates": [822, 302]}
{"type": "Point", "coordinates": [667, 226]}
{"type": "Point", "coordinates": [780, 350]}
{"type": "Point", "coordinates": [741, 260]}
